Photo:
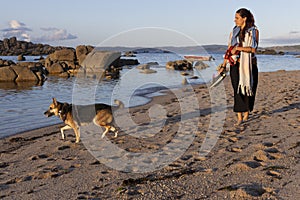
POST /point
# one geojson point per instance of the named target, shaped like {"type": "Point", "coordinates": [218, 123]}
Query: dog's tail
{"type": "Point", "coordinates": [119, 103]}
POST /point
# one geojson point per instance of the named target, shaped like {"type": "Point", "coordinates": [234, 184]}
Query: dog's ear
{"type": "Point", "coordinates": [64, 111]}
{"type": "Point", "coordinates": [54, 101]}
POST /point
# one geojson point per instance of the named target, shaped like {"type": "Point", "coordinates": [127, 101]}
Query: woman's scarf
{"type": "Point", "coordinates": [245, 68]}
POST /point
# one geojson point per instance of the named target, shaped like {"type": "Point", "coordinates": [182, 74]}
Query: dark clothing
{"type": "Point", "coordinates": [243, 103]}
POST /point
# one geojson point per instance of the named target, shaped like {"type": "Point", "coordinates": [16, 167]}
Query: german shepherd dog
{"type": "Point", "coordinates": [100, 114]}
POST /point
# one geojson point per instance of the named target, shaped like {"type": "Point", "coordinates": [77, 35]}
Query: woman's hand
{"type": "Point", "coordinates": [221, 68]}
{"type": "Point", "coordinates": [234, 50]}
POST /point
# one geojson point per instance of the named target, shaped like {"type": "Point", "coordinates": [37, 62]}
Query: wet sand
{"type": "Point", "coordinates": [256, 160]}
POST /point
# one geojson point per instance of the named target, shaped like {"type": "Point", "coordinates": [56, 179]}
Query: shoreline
{"type": "Point", "coordinates": [258, 160]}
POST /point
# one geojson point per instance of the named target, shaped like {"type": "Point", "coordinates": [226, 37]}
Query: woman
{"type": "Point", "coordinates": [241, 56]}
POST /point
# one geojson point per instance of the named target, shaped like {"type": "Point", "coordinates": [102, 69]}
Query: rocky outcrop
{"type": "Point", "coordinates": [267, 51]}
{"type": "Point", "coordinates": [11, 47]}
{"type": "Point", "coordinates": [22, 72]}
{"type": "Point", "coordinates": [102, 62]}
{"type": "Point", "coordinates": [179, 65]}
{"type": "Point", "coordinates": [69, 61]}
{"type": "Point", "coordinates": [60, 61]}
{"type": "Point", "coordinates": [99, 60]}
{"type": "Point", "coordinates": [82, 51]}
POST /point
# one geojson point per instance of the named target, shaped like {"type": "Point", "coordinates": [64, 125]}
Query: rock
{"type": "Point", "coordinates": [82, 51]}
{"type": "Point", "coordinates": [147, 71]}
{"type": "Point", "coordinates": [7, 74]}
{"type": "Point", "coordinates": [201, 65]}
{"type": "Point", "coordinates": [184, 74]}
{"type": "Point", "coordinates": [11, 46]}
{"type": "Point", "coordinates": [112, 72]}
{"type": "Point", "coordinates": [144, 66]}
{"type": "Point", "coordinates": [179, 65]}
{"type": "Point", "coordinates": [124, 62]}
{"type": "Point", "coordinates": [21, 58]}
{"type": "Point", "coordinates": [97, 61]}
{"type": "Point", "coordinates": [24, 74]}
{"type": "Point", "coordinates": [48, 62]}
{"type": "Point", "coordinates": [55, 68]}
{"type": "Point", "coordinates": [67, 54]}
{"type": "Point", "coordinates": [274, 173]}
{"type": "Point", "coordinates": [236, 149]}
{"type": "Point", "coordinates": [129, 54]}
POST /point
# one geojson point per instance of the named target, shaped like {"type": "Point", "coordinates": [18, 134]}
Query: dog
{"type": "Point", "coordinates": [100, 114]}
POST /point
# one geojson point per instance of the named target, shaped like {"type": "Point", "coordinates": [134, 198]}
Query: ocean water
{"type": "Point", "coordinates": [22, 105]}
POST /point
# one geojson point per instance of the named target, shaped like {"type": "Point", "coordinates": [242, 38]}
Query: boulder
{"type": "Point", "coordinates": [63, 55]}
{"type": "Point", "coordinates": [201, 65]}
{"type": "Point", "coordinates": [147, 71]}
{"type": "Point", "coordinates": [21, 57]}
{"type": "Point", "coordinates": [179, 65]}
{"type": "Point", "coordinates": [124, 62]}
{"type": "Point", "coordinates": [98, 61]}
{"type": "Point", "coordinates": [55, 68]}
{"type": "Point", "coordinates": [7, 74]}
{"type": "Point", "coordinates": [24, 74]}
{"type": "Point", "coordinates": [82, 51]}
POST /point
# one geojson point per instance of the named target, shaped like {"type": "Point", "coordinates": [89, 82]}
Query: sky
{"type": "Point", "coordinates": [145, 22]}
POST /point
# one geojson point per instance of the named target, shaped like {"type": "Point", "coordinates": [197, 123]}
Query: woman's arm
{"type": "Point", "coordinates": [247, 49]}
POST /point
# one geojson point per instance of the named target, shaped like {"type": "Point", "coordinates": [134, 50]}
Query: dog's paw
{"type": "Point", "coordinates": [116, 134]}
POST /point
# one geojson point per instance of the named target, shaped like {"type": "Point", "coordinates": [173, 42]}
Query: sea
{"type": "Point", "coordinates": [22, 105]}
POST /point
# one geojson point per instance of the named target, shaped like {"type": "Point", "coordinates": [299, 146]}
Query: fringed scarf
{"type": "Point", "coordinates": [245, 69]}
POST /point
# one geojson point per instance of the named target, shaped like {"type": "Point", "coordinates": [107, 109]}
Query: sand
{"type": "Point", "coordinates": [256, 160]}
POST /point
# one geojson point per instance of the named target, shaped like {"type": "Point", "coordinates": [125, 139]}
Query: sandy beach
{"type": "Point", "coordinates": [256, 160]}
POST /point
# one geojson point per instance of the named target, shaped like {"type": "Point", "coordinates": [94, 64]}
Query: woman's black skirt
{"type": "Point", "coordinates": [243, 103]}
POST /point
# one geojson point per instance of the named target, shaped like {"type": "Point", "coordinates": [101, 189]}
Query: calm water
{"type": "Point", "coordinates": [22, 106]}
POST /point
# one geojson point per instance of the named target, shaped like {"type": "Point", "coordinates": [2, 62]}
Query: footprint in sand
{"type": "Point", "coordinates": [260, 156]}
{"type": "Point", "coordinates": [3, 165]}
{"type": "Point", "coordinates": [41, 156]}
{"type": "Point", "coordinates": [64, 147]}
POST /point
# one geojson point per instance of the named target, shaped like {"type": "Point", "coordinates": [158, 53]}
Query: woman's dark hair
{"type": "Point", "coordinates": [243, 12]}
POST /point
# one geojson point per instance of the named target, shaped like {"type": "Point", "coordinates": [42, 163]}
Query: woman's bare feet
{"type": "Point", "coordinates": [239, 119]}
{"type": "Point", "coordinates": [246, 116]}
{"type": "Point", "coordinates": [239, 122]}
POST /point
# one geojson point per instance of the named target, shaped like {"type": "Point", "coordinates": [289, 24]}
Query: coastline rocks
{"type": "Point", "coordinates": [11, 46]}
{"type": "Point", "coordinates": [98, 61]}
{"type": "Point", "coordinates": [21, 57]}
{"type": "Point", "coordinates": [82, 51]}
{"type": "Point", "coordinates": [67, 54]}
{"type": "Point", "coordinates": [7, 74]}
{"type": "Point", "coordinates": [68, 61]}
{"type": "Point", "coordinates": [179, 65]}
{"type": "Point", "coordinates": [4, 63]}
{"type": "Point", "coordinates": [201, 65]}
{"type": "Point", "coordinates": [124, 62]}
{"type": "Point", "coordinates": [147, 71]}
{"type": "Point", "coordinates": [269, 52]}
{"type": "Point", "coordinates": [55, 68]}
{"type": "Point", "coordinates": [19, 73]}
{"type": "Point", "coordinates": [62, 62]}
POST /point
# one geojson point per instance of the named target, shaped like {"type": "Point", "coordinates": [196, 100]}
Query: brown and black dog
{"type": "Point", "coordinates": [100, 114]}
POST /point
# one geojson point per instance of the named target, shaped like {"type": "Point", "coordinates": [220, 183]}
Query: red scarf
{"type": "Point", "coordinates": [228, 55]}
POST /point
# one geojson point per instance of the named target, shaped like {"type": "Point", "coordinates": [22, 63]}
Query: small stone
{"type": "Point", "coordinates": [273, 173]}
{"type": "Point", "coordinates": [233, 139]}
{"type": "Point", "coordinates": [236, 149]}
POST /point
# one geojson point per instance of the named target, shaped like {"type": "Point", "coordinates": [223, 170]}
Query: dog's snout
{"type": "Point", "coordinates": [48, 113]}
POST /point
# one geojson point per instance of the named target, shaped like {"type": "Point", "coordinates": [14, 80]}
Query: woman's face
{"type": "Point", "coordinates": [239, 21]}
